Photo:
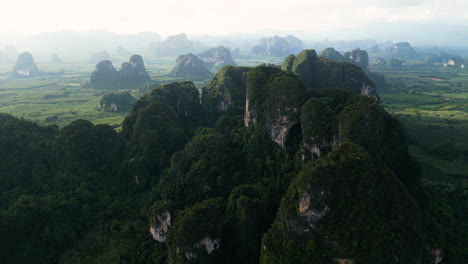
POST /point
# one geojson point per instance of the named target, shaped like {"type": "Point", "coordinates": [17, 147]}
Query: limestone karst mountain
{"type": "Point", "coordinates": [131, 75]}
{"type": "Point", "coordinates": [176, 45]}
{"type": "Point", "coordinates": [25, 66]}
{"type": "Point", "coordinates": [215, 58]}
{"type": "Point", "coordinates": [190, 67]}
{"type": "Point", "coordinates": [278, 46]}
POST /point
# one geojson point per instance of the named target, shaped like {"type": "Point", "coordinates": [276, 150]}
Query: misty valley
{"type": "Point", "coordinates": [232, 149]}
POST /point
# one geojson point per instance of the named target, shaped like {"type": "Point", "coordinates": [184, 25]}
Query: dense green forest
{"type": "Point", "coordinates": [298, 164]}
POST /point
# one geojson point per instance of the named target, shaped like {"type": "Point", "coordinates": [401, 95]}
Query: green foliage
{"type": "Point", "coordinates": [202, 221]}
{"type": "Point", "coordinates": [331, 54]}
{"type": "Point", "coordinates": [226, 91]}
{"type": "Point", "coordinates": [305, 66]}
{"type": "Point", "coordinates": [117, 102]}
{"type": "Point", "coordinates": [367, 214]}
{"type": "Point", "coordinates": [288, 63]}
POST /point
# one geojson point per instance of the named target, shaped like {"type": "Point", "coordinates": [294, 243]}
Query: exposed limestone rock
{"type": "Point", "coordinates": [312, 215]}
{"type": "Point", "coordinates": [207, 243]}
{"type": "Point", "coordinates": [344, 261]}
{"type": "Point", "coordinates": [437, 255]}
{"type": "Point", "coordinates": [216, 58]}
{"type": "Point", "coordinates": [160, 226]}
{"type": "Point", "coordinates": [279, 129]}
{"type": "Point", "coordinates": [358, 57]}
{"type": "Point", "coordinates": [318, 148]}
{"type": "Point", "coordinates": [25, 66]}
{"type": "Point", "coordinates": [117, 102]}
{"type": "Point", "coordinates": [278, 109]}
{"type": "Point", "coordinates": [227, 89]}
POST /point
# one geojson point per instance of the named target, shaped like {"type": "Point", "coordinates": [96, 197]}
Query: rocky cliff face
{"type": "Point", "coordinates": [160, 226]}
{"type": "Point", "coordinates": [358, 57]}
{"type": "Point", "coordinates": [216, 58]}
{"type": "Point", "coordinates": [326, 193]}
{"type": "Point", "coordinates": [190, 67]}
{"type": "Point", "coordinates": [25, 66]}
{"type": "Point", "coordinates": [274, 104]}
{"type": "Point", "coordinates": [226, 89]}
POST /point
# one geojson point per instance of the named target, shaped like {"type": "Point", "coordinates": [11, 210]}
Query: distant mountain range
{"type": "Point", "coordinates": [450, 38]}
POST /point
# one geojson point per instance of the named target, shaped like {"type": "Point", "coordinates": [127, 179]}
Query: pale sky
{"type": "Point", "coordinates": [220, 16]}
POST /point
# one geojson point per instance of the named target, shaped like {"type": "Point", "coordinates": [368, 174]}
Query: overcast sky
{"type": "Point", "coordinates": [221, 16]}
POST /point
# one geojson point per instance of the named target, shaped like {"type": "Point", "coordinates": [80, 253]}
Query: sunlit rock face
{"type": "Point", "coordinates": [160, 226]}
{"type": "Point", "coordinates": [25, 66]}
{"type": "Point", "coordinates": [274, 104]}
{"type": "Point", "coordinates": [216, 58]}
{"type": "Point", "coordinates": [190, 67]}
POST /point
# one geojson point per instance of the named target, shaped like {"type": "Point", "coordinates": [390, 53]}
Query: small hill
{"type": "Point", "coordinates": [190, 67]}
{"type": "Point", "coordinates": [25, 66]}
{"type": "Point", "coordinates": [117, 102]}
{"type": "Point", "coordinates": [331, 54]}
{"type": "Point", "coordinates": [401, 51]}
{"type": "Point", "coordinates": [131, 75]}
{"type": "Point", "coordinates": [177, 44]}
{"type": "Point", "coordinates": [216, 58]}
{"type": "Point", "coordinates": [278, 46]}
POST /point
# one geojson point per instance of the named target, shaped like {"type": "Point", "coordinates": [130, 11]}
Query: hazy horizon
{"type": "Point", "coordinates": [212, 17]}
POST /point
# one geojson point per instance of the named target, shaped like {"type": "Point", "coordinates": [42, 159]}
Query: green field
{"type": "Point", "coordinates": [432, 104]}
